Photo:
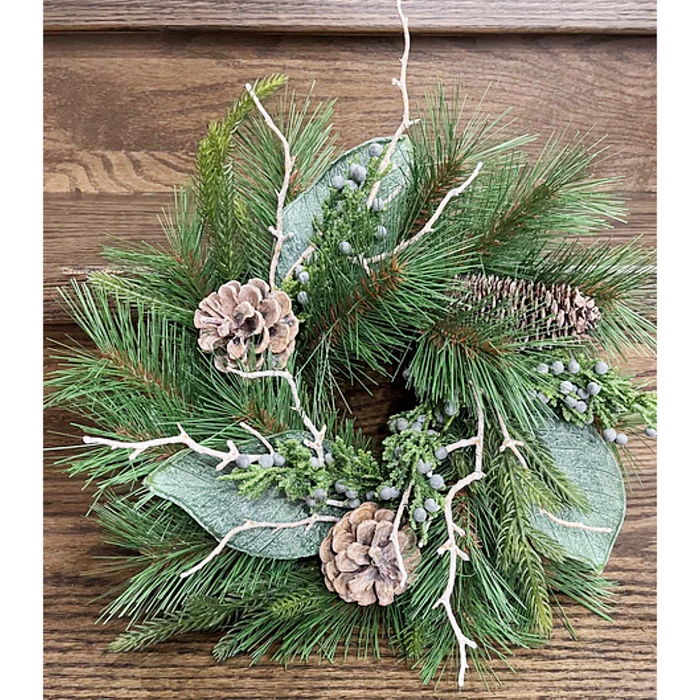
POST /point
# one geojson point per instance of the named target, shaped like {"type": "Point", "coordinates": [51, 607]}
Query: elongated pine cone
{"type": "Point", "coordinates": [545, 311]}
{"type": "Point", "coordinates": [359, 559]}
{"type": "Point", "coordinates": [239, 323]}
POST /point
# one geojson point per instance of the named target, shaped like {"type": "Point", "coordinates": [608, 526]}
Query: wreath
{"type": "Point", "coordinates": [444, 258]}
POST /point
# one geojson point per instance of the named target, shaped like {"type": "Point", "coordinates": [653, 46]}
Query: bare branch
{"type": "Point", "coordinates": [406, 119]}
{"type": "Point", "coordinates": [252, 525]}
{"type": "Point", "coordinates": [395, 535]}
{"type": "Point", "coordinates": [510, 444]}
{"type": "Point", "coordinates": [276, 230]}
{"type": "Point", "coordinates": [450, 545]}
{"type": "Point", "coordinates": [455, 192]}
{"type": "Point", "coordinates": [579, 526]}
{"type": "Point", "coordinates": [319, 435]}
{"type": "Point", "coordinates": [182, 439]}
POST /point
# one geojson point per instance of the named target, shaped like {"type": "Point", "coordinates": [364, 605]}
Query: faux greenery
{"type": "Point", "coordinates": [469, 467]}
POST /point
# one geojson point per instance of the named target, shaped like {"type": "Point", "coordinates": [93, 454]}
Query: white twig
{"type": "Point", "coordinates": [182, 439]}
{"type": "Point", "coordinates": [406, 119]}
{"type": "Point", "coordinates": [300, 260]}
{"type": "Point", "coordinates": [579, 526]}
{"type": "Point", "coordinates": [319, 435]}
{"type": "Point", "coordinates": [395, 535]}
{"type": "Point", "coordinates": [266, 443]}
{"type": "Point", "coordinates": [450, 546]}
{"type": "Point", "coordinates": [455, 192]}
{"type": "Point", "coordinates": [276, 230]}
{"type": "Point", "coordinates": [510, 444]}
{"type": "Point", "coordinates": [252, 525]}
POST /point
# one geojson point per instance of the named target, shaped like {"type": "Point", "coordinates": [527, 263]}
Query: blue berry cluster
{"type": "Point", "coordinates": [584, 392]}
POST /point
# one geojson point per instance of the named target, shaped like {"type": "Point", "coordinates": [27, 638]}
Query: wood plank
{"type": "Point", "coordinates": [77, 228]}
{"type": "Point", "coordinates": [340, 16]}
{"type": "Point", "coordinates": [123, 112]}
{"type": "Point", "coordinates": [608, 661]}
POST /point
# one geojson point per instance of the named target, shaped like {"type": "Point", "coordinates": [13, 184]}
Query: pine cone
{"type": "Point", "coordinates": [544, 311]}
{"type": "Point", "coordinates": [238, 319]}
{"type": "Point", "coordinates": [359, 560]}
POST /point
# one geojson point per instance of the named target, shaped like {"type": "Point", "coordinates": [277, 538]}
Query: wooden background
{"type": "Point", "coordinates": [129, 89]}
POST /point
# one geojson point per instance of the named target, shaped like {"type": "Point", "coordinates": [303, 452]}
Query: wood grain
{"type": "Point", "coordinates": [351, 16]}
{"type": "Point", "coordinates": [123, 113]}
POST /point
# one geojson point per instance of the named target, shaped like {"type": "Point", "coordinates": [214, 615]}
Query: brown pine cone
{"type": "Point", "coordinates": [239, 319]}
{"type": "Point", "coordinates": [359, 559]}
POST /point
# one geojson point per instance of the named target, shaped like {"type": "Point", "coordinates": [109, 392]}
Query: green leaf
{"type": "Point", "coordinates": [585, 459]}
{"type": "Point", "coordinates": [191, 482]}
{"type": "Point", "coordinates": [299, 214]}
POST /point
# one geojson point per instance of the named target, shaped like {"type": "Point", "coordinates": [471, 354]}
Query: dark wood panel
{"type": "Point", "coordinates": [355, 15]}
{"type": "Point", "coordinates": [123, 112]}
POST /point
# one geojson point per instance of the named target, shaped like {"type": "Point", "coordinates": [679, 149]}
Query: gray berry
{"type": "Point", "coordinates": [621, 439]}
{"type": "Point", "coordinates": [355, 503]}
{"type": "Point", "coordinates": [420, 515]}
{"type": "Point", "coordinates": [320, 494]}
{"type": "Point", "coordinates": [310, 502]}
{"type": "Point", "coordinates": [566, 387]}
{"type": "Point", "coordinates": [242, 461]}
{"type": "Point", "coordinates": [358, 173]}
{"type": "Point", "coordinates": [583, 394]}
{"type": "Point", "coordinates": [266, 460]}
{"type": "Point", "coordinates": [303, 298]}
{"type": "Point", "coordinates": [573, 367]}
{"type": "Point", "coordinates": [601, 367]}
{"type": "Point", "coordinates": [593, 389]}
{"type": "Point", "coordinates": [345, 248]}
{"type": "Point", "coordinates": [338, 181]}
{"type": "Point", "coordinates": [406, 373]}
{"type": "Point", "coordinates": [581, 406]}
{"type": "Point", "coordinates": [570, 401]}
{"type": "Point", "coordinates": [375, 150]}
{"type": "Point", "coordinates": [401, 424]}
{"type": "Point", "coordinates": [436, 481]}
{"type": "Point", "coordinates": [542, 397]}
{"type": "Point", "coordinates": [278, 460]}
{"type": "Point", "coordinates": [386, 493]}
{"type": "Point", "coordinates": [395, 493]}
{"type": "Point", "coordinates": [609, 434]}
{"type": "Point", "coordinates": [328, 458]}
{"type": "Point", "coordinates": [377, 204]}
{"type": "Point", "coordinates": [590, 419]}
{"type": "Point", "coordinates": [398, 452]}
{"type": "Point", "coordinates": [557, 367]}
{"type": "Point", "coordinates": [431, 505]}
{"type": "Point", "coordinates": [417, 425]}
{"type": "Point", "coordinates": [424, 467]}
{"type": "Point", "coordinates": [542, 368]}
{"type": "Point", "coordinates": [381, 233]}
{"type": "Point", "coordinates": [441, 453]}
{"type": "Point", "coordinates": [432, 432]}
{"type": "Point", "coordinates": [351, 494]}
{"type": "Point", "coordinates": [340, 487]}
{"type": "Point", "coordinates": [315, 462]}
{"type": "Point", "coordinates": [298, 270]}
{"type": "Point", "coordinates": [450, 409]}
{"type": "Point", "coordinates": [650, 432]}
{"type": "Point", "coordinates": [303, 277]}
{"type": "Point", "coordinates": [370, 496]}
{"type": "Point", "coordinates": [351, 184]}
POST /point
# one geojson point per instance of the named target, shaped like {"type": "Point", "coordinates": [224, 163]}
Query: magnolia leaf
{"type": "Point", "coordinates": [190, 481]}
{"type": "Point", "coordinates": [587, 461]}
{"type": "Point", "coordinates": [299, 214]}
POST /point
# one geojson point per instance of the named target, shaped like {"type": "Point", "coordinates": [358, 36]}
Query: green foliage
{"type": "Point", "coordinates": [621, 403]}
{"type": "Point", "coordinates": [381, 307]}
{"type": "Point", "coordinates": [302, 474]}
